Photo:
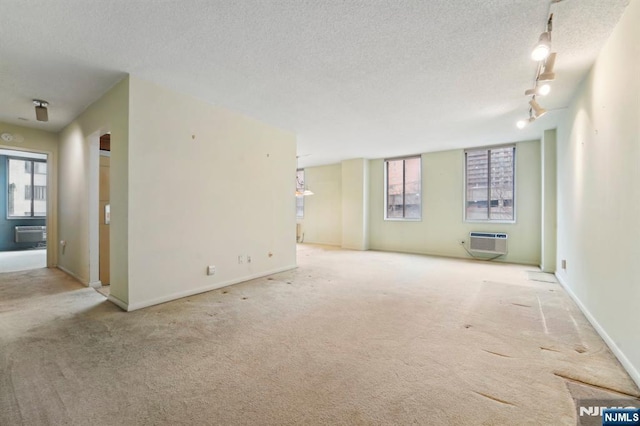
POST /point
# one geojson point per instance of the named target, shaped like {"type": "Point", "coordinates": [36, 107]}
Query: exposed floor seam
{"type": "Point", "coordinates": [496, 353]}
{"type": "Point", "coordinates": [493, 398]}
{"type": "Point", "coordinates": [544, 320]}
{"type": "Point", "coordinates": [605, 388]}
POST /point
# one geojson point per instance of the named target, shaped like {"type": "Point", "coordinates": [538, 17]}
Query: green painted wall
{"type": "Point", "coordinates": [442, 226]}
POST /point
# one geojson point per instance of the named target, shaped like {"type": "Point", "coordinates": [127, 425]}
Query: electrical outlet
{"type": "Point", "coordinates": [248, 259]}
{"type": "Point", "coordinates": [240, 259]}
{"type": "Point", "coordinates": [211, 270]}
{"type": "Point", "coordinates": [564, 264]}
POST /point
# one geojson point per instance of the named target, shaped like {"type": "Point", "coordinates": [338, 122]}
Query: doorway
{"type": "Point", "coordinates": [104, 212]}
{"type": "Point", "coordinates": [23, 210]}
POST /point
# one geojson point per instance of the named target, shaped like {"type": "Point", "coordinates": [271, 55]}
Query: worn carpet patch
{"type": "Point", "coordinates": [542, 276]}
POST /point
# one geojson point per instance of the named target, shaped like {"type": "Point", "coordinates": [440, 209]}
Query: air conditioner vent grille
{"type": "Point", "coordinates": [488, 242]}
{"type": "Point", "coordinates": [30, 234]}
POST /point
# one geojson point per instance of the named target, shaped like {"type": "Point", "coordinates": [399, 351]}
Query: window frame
{"type": "Point", "coordinates": [386, 189]}
{"type": "Point", "coordinates": [32, 173]}
{"type": "Point", "coordinates": [514, 185]}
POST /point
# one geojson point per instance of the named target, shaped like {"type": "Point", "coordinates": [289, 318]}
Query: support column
{"type": "Point", "coordinates": [549, 201]}
{"type": "Point", "coordinates": [355, 204]}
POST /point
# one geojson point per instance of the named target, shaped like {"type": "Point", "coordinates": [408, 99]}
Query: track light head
{"type": "Point", "coordinates": [544, 90]}
{"type": "Point", "coordinates": [542, 48]}
{"type": "Point", "coordinates": [523, 123]}
{"type": "Point", "coordinates": [547, 73]}
{"type": "Point", "coordinates": [538, 90]}
{"type": "Point", "coordinates": [538, 111]}
{"type": "Point", "coordinates": [41, 110]}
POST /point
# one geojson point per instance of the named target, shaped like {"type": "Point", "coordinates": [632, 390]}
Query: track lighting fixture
{"type": "Point", "coordinates": [41, 110]}
{"type": "Point", "coordinates": [523, 123]}
{"type": "Point", "coordinates": [544, 72]}
{"type": "Point", "coordinates": [538, 111]}
{"type": "Point", "coordinates": [547, 72]}
{"type": "Point", "coordinates": [538, 90]}
{"type": "Point", "coordinates": [542, 49]}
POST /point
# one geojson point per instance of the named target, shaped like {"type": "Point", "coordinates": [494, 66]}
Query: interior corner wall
{"type": "Point", "coordinates": [442, 226]}
{"type": "Point", "coordinates": [36, 140]}
{"type": "Point", "coordinates": [109, 113]}
{"type": "Point", "coordinates": [206, 187]}
{"type": "Point", "coordinates": [322, 221]}
{"type": "Point", "coordinates": [355, 206]}
{"type": "Point", "coordinates": [598, 197]}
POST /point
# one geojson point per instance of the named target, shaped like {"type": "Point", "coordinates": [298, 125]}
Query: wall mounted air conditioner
{"type": "Point", "coordinates": [30, 234]}
{"type": "Point", "coordinates": [488, 242]}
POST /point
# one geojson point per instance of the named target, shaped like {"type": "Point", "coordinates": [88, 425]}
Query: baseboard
{"type": "Point", "coordinates": [68, 272]}
{"type": "Point", "coordinates": [118, 302]}
{"type": "Point", "coordinates": [187, 293]}
{"type": "Point", "coordinates": [628, 366]}
{"type": "Point", "coordinates": [320, 243]}
{"type": "Point", "coordinates": [354, 248]}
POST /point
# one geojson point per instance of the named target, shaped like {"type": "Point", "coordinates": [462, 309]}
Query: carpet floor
{"type": "Point", "coordinates": [22, 260]}
{"type": "Point", "coordinates": [347, 338]}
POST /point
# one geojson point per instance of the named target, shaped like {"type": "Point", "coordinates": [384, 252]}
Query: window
{"type": "Point", "coordinates": [402, 188]}
{"type": "Point", "coordinates": [27, 188]}
{"type": "Point", "coordinates": [39, 194]}
{"type": "Point", "coordinates": [490, 186]}
{"type": "Point", "coordinates": [38, 167]}
{"type": "Point", "coordinates": [299, 193]}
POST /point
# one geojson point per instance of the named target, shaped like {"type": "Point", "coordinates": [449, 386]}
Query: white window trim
{"type": "Point", "coordinates": [515, 186]}
{"type": "Point", "coordinates": [386, 185]}
{"type": "Point", "coordinates": [35, 158]}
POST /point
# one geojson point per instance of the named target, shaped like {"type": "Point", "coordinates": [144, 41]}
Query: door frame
{"type": "Point", "coordinates": [52, 229]}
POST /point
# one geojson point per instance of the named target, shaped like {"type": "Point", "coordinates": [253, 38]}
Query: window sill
{"type": "Point", "coordinates": [392, 219]}
{"type": "Point", "coordinates": [500, 222]}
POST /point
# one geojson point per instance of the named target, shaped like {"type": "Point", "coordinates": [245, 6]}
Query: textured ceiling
{"type": "Point", "coordinates": [351, 78]}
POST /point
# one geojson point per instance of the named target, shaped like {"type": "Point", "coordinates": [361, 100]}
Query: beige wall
{"type": "Point", "coordinates": [322, 222]}
{"type": "Point", "coordinates": [442, 226]}
{"type": "Point", "coordinates": [598, 195]}
{"type": "Point", "coordinates": [206, 185]}
{"type": "Point", "coordinates": [78, 152]}
{"type": "Point", "coordinates": [44, 142]}
{"type": "Point", "coordinates": [192, 185]}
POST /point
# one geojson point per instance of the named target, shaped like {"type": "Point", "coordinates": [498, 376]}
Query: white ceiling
{"type": "Point", "coordinates": [352, 78]}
